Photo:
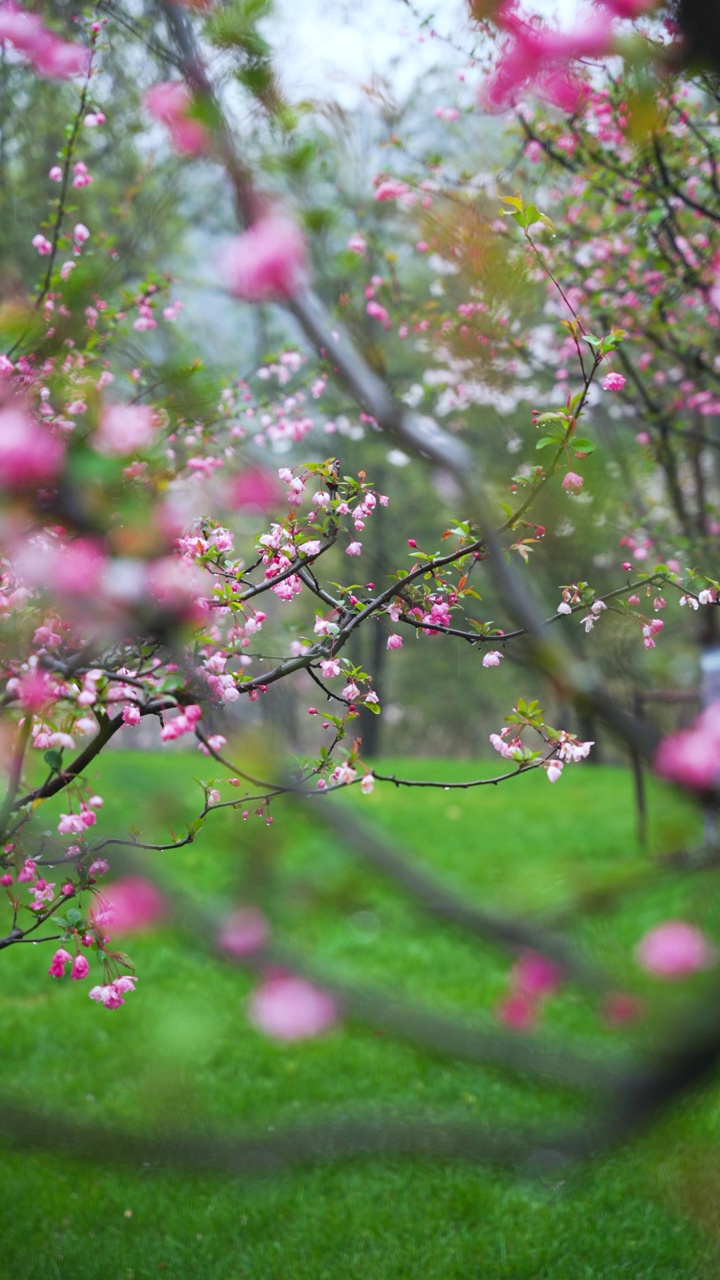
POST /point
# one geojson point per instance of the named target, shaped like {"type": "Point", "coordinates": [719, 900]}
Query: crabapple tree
{"type": "Point", "coordinates": [177, 542]}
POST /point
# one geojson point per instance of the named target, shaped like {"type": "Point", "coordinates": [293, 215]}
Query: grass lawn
{"type": "Point", "coordinates": [180, 1052]}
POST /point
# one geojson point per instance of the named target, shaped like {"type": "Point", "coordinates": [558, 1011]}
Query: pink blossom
{"type": "Point", "coordinates": [80, 968]}
{"type": "Point", "coordinates": [98, 867]}
{"type": "Point", "coordinates": [378, 312]}
{"type": "Point", "coordinates": [80, 233]}
{"type": "Point", "coordinates": [674, 949]}
{"type": "Point", "coordinates": [573, 482]}
{"type": "Point", "coordinates": [289, 1008]}
{"type": "Point", "coordinates": [71, 824]}
{"type": "Point", "coordinates": [81, 176]}
{"type": "Point", "coordinates": [171, 103]}
{"type": "Point", "coordinates": [493, 658]}
{"type": "Point", "coordinates": [125, 983]}
{"type": "Point", "coordinates": [353, 549]}
{"type": "Point", "coordinates": [42, 892]}
{"type": "Point", "coordinates": [330, 667]}
{"type": "Point", "coordinates": [111, 995]}
{"type": "Point", "coordinates": [554, 770]}
{"type": "Point", "coordinates": [244, 932]}
{"type": "Point", "coordinates": [613, 382]}
{"type": "Point", "coordinates": [367, 784]}
{"type": "Point", "coordinates": [391, 189]}
{"type": "Point", "coordinates": [357, 244]}
{"type": "Point", "coordinates": [124, 428]}
{"type": "Point", "coordinates": [42, 244]}
{"type": "Point", "coordinates": [93, 119]}
{"type": "Point", "coordinates": [59, 960]}
{"type": "Point", "coordinates": [394, 642]}
{"type": "Point", "coordinates": [268, 261]}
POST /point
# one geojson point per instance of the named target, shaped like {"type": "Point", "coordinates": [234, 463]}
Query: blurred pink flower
{"type": "Point", "coordinates": [691, 757]}
{"type": "Point", "coordinates": [290, 1008]}
{"type": "Point", "coordinates": [57, 60]}
{"type": "Point", "coordinates": [34, 690]}
{"type": "Point", "coordinates": [170, 102]}
{"type": "Point", "coordinates": [51, 57]}
{"type": "Point", "coordinates": [268, 261]}
{"type": "Point", "coordinates": [124, 428]}
{"type": "Point", "coordinates": [573, 482]}
{"type": "Point", "coordinates": [29, 454]}
{"type": "Point", "coordinates": [540, 55]}
{"type": "Point", "coordinates": [255, 489]}
{"type": "Point", "coordinates": [243, 932]}
{"type": "Point", "coordinates": [674, 949]}
{"type": "Point", "coordinates": [518, 1012]}
{"type": "Point", "coordinates": [534, 975]}
{"type": "Point", "coordinates": [135, 904]}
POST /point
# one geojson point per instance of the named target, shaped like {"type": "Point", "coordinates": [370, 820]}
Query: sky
{"type": "Point", "coordinates": [332, 47]}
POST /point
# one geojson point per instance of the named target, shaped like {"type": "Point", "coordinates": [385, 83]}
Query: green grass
{"type": "Point", "coordinates": [180, 1053]}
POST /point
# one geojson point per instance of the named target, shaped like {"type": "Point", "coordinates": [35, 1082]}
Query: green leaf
{"type": "Point", "coordinates": [256, 76]}
{"type": "Point", "coordinates": [584, 445]}
{"type": "Point", "coordinates": [53, 759]}
{"type": "Point", "coordinates": [545, 441]}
